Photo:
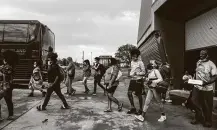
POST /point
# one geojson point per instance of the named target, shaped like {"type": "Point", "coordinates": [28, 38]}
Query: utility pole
{"type": "Point", "coordinates": [83, 56]}
{"type": "Point", "coordinates": [91, 59]}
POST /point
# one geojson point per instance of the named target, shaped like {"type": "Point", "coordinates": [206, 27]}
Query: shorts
{"type": "Point", "coordinates": [136, 86]}
{"type": "Point", "coordinates": [112, 89]}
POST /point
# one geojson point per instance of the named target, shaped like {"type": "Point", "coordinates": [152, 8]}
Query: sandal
{"type": "Point", "coordinates": [108, 110]}
{"type": "Point", "coordinates": [40, 108]}
{"type": "Point", "coordinates": [120, 107]}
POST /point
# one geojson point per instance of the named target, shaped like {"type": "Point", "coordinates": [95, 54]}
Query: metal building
{"type": "Point", "coordinates": [186, 27]}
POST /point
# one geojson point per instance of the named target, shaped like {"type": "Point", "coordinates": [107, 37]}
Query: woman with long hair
{"type": "Point", "coordinates": [36, 81]}
{"type": "Point", "coordinates": [86, 74]}
{"type": "Point", "coordinates": [70, 71]}
{"type": "Point", "coordinates": [112, 76]}
{"type": "Point", "coordinates": [154, 77]}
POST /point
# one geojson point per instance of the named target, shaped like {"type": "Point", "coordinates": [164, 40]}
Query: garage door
{"type": "Point", "coordinates": [150, 50]}
{"type": "Point", "coordinates": [201, 31]}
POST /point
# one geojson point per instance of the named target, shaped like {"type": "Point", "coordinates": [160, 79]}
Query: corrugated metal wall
{"type": "Point", "coordinates": [150, 50]}
{"type": "Point", "coordinates": [201, 31]}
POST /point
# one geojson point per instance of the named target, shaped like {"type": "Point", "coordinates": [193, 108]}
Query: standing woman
{"type": "Point", "coordinates": [70, 71]}
{"type": "Point", "coordinates": [154, 77]}
{"type": "Point", "coordinates": [112, 76]}
{"type": "Point", "coordinates": [36, 81]}
{"type": "Point", "coordinates": [10, 59]}
{"type": "Point", "coordinates": [87, 74]}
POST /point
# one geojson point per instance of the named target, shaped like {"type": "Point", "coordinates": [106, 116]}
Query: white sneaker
{"type": "Point", "coordinates": [140, 117]}
{"type": "Point", "coordinates": [162, 118]}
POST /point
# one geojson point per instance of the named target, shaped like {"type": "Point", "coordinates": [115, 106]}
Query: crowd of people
{"type": "Point", "coordinates": [155, 76]}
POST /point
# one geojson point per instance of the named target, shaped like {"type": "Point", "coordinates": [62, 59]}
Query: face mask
{"type": "Point", "coordinates": [34, 65]}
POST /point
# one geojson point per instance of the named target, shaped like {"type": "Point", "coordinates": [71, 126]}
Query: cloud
{"type": "Point", "coordinates": [98, 26]}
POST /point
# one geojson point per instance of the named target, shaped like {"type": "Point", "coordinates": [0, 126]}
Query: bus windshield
{"type": "Point", "coordinates": [18, 32]}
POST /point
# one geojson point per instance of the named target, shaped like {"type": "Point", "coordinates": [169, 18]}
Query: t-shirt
{"type": "Point", "coordinates": [112, 71]}
{"type": "Point", "coordinates": [53, 72]}
{"type": "Point", "coordinates": [155, 74]}
{"type": "Point", "coordinates": [139, 67]}
{"type": "Point", "coordinates": [204, 71]}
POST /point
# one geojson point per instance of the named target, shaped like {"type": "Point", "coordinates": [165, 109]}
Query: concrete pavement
{"type": "Point", "coordinates": [86, 113]}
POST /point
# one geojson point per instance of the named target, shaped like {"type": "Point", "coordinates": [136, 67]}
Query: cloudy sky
{"type": "Point", "coordinates": [97, 26]}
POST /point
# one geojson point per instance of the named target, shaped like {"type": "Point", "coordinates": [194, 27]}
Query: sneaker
{"type": "Point", "coordinates": [207, 124]}
{"type": "Point", "coordinates": [31, 95]}
{"type": "Point", "coordinates": [132, 111]}
{"type": "Point", "coordinates": [140, 118]}
{"type": "Point", "coordinates": [65, 107]}
{"type": "Point", "coordinates": [194, 122]}
{"type": "Point", "coordinates": [162, 118]}
{"type": "Point", "coordinates": [139, 112]}
{"type": "Point", "coordinates": [94, 94]}
{"type": "Point", "coordinates": [11, 118]}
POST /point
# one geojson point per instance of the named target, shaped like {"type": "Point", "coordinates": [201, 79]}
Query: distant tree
{"type": "Point", "coordinates": [123, 53]}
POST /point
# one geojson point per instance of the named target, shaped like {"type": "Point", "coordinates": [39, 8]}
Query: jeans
{"type": "Point", "coordinates": [8, 100]}
{"type": "Point", "coordinates": [97, 81]}
{"type": "Point", "coordinates": [152, 93]}
{"type": "Point", "coordinates": [57, 90]}
{"type": "Point", "coordinates": [69, 84]}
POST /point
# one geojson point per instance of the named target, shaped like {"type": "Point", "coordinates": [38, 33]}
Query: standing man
{"type": "Point", "coordinates": [202, 95]}
{"type": "Point", "coordinates": [136, 83]}
{"type": "Point", "coordinates": [70, 71]}
{"type": "Point", "coordinates": [98, 75]}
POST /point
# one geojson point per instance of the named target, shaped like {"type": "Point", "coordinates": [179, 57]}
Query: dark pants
{"type": "Point", "coordinates": [97, 81]}
{"type": "Point", "coordinates": [57, 90]}
{"type": "Point", "coordinates": [8, 100]}
{"type": "Point", "coordinates": [203, 103]}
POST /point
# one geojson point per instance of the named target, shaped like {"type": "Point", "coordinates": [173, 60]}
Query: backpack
{"type": "Point", "coordinates": [102, 69]}
{"type": "Point", "coordinates": [62, 74]}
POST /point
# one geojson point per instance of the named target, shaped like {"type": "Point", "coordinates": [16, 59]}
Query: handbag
{"type": "Point", "coordinates": [162, 86]}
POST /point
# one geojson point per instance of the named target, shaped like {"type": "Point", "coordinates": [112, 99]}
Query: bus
{"type": "Point", "coordinates": [30, 39]}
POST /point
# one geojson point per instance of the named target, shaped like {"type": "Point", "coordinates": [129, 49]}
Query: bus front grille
{"type": "Point", "coordinates": [23, 70]}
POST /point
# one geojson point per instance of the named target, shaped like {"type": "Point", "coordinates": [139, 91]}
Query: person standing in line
{"type": "Point", "coordinates": [10, 59]}
{"type": "Point", "coordinates": [36, 81]}
{"type": "Point", "coordinates": [98, 75]}
{"type": "Point", "coordinates": [136, 83]}
{"type": "Point", "coordinates": [112, 76]}
{"type": "Point", "coordinates": [54, 79]}
{"type": "Point", "coordinates": [202, 95]}
{"type": "Point", "coordinates": [154, 77]}
{"type": "Point", "coordinates": [70, 75]}
{"type": "Point", "coordinates": [86, 74]}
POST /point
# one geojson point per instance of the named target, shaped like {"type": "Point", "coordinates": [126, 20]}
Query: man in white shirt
{"type": "Point", "coordinates": [136, 83]}
{"type": "Point", "coordinates": [202, 95]}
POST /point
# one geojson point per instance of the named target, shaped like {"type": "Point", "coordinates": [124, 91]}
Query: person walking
{"type": "Point", "coordinates": [136, 83]}
{"type": "Point", "coordinates": [86, 74]}
{"type": "Point", "coordinates": [154, 77]}
{"type": "Point", "coordinates": [112, 76]}
{"type": "Point", "coordinates": [54, 83]}
{"type": "Point", "coordinates": [70, 75]}
{"type": "Point", "coordinates": [36, 81]}
{"type": "Point", "coordinates": [202, 95]}
{"type": "Point", "coordinates": [98, 75]}
{"type": "Point", "coordinates": [10, 59]}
